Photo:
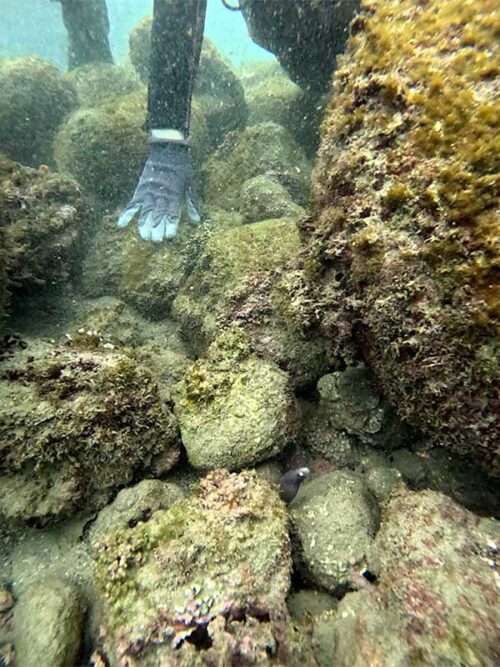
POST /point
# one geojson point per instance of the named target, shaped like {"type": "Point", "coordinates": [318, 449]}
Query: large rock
{"type": "Point", "coordinates": [229, 256]}
{"type": "Point", "coordinates": [436, 598]}
{"type": "Point", "coordinates": [104, 147]}
{"type": "Point", "coordinates": [98, 83]}
{"type": "Point", "coordinates": [234, 409]}
{"type": "Point", "coordinates": [350, 414]}
{"type": "Point", "coordinates": [334, 520]}
{"type": "Point", "coordinates": [35, 99]}
{"type": "Point", "coordinates": [266, 149]}
{"type": "Point", "coordinates": [402, 235]}
{"type": "Point", "coordinates": [43, 218]}
{"type": "Point", "coordinates": [75, 425]}
{"type": "Point", "coordinates": [305, 35]}
{"type": "Point", "coordinates": [203, 582]}
{"type": "Point", "coordinates": [133, 505]}
{"type": "Point", "coordinates": [145, 275]}
{"type": "Point", "coordinates": [48, 624]}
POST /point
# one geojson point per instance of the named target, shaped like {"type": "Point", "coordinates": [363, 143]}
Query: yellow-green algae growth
{"type": "Point", "coordinates": [404, 234]}
{"type": "Point", "coordinates": [211, 572]}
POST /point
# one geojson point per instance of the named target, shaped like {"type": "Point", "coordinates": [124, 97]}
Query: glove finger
{"type": "Point", "coordinates": [158, 229]}
{"type": "Point", "coordinates": [192, 202]}
{"type": "Point", "coordinates": [129, 212]}
{"type": "Point", "coordinates": [171, 225]}
{"type": "Point", "coordinates": [146, 226]}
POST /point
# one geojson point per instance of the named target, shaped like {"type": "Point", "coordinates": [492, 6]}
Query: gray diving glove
{"type": "Point", "coordinates": [166, 183]}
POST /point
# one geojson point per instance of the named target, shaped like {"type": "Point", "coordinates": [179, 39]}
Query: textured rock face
{"type": "Point", "coordinates": [147, 276]}
{"type": "Point", "coordinates": [334, 520]}
{"type": "Point", "coordinates": [227, 259]}
{"type": "Point", "coordinates": [133, 505]}
{"type": "Point", "coordinates": [43, 217]}
{"type": "Point", "coordinates": [35, 99]}
{"type": "Point", "coordinates": [98, 83]}
{"type": "Point", "coordinates": [305, 36]}
{"type": "Point", "coordinates": [402, 237]}
{"type": "Point", "coordinates": [262, 198]}
{"type": "Point", "coordinates": [202, 582]}
{"type": "Point", "coordinates": [75, 425]}
{"type": "Point", "coordinates": [234, 409]}
{"type": "Point", "coordinates": [266, 149]}
{"type": "Point", "coordinates": [436, 600]}
{"type": "Point", "coordinates": [48, 624]}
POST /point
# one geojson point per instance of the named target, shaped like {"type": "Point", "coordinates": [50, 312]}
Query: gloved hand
{"type": "Point", "coordinates": [166, 182]}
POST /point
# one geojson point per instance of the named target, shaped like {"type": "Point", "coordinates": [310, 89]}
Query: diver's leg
{"type": "Point", "coordinates": [87, 24]}
{"type": "Point", "coordinates": [176, 38]}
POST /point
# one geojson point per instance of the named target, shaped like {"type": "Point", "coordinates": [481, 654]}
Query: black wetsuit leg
{"type": "Point", "coordinates": [87, 24]}
{"type": "Point", "coordinates": [176, 39]}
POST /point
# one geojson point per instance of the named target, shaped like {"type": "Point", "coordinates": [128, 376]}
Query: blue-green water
{"type": "Point", "coordinates": [39, 29]}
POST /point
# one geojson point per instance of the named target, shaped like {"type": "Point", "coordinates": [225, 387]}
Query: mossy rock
{"type": "Point", "coordinates": [49, 621]}
{"type": "Point", "coordinates": [98, 83]}
{"type": "Point", "coordinates": [405, 218]}
{"type": "Point", "coordinates": [145, 275]}
{"type": "Point", "coordinates": [35, 99]}
{"type": "Point", "coordinates": [263, 198]}
{"type": "Point", "coordinates": [44, 217]}
{"type": "Point", "coordinates": [270, 100]}
{"type": "Point", "coordinates": [75, 425]}
{"type": "Point", "coordinates": [266, 149]}
{"type": "Point", "coordinates": [217, 89]}
{"type": "Point", "coordinates": [227, 258]}
{"type": "Point", "coordinates": [105, 147]}
{"type": "Point", "coordinates": [435, 601]}
{"type": "Point", "coordinates": [334, 520]}
{"type": "Point", "coordinates": [201, 582]}
{"type": "Point", "coordinates": [234, 409]}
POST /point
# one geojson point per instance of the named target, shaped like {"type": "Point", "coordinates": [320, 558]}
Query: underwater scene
{"type": "Point", "coordinates": [249, 333]}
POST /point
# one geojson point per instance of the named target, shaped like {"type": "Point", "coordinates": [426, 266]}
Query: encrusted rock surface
{"type": "Point", "coordinates": [43, 219]}
{"type": "Point", "coordinates": [48, 624]}
{"type": "Point", "coordinates": [98, 83]}
{"type": "Point", "coordinates": [234, 408]}
{"type": "Point", "coordinates": [266, 149]}
{"type": "Point", "coordinates": [35, 99]}
{"type": "Point", "coordinates": [202, 582]}
{"type": "Point", "coordinates": [334, 520]}
{"type": "Point", "coordinates": [436, 599]}
{"type": "Point", "coordinates": [75, 424]}
{"type": "Point", "coordinates": [401, 243]}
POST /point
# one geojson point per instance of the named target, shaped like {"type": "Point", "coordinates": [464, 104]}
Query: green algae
{"type": "Point", "coordinates": [211, 560]}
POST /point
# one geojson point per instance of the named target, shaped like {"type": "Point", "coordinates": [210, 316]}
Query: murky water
{"type": "Point", "coordinates": [249, 333]}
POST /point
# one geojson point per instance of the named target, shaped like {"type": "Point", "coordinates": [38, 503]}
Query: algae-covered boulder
{"type": "Point", "coordinates": [334, 520]}
{"type": "Point", "coordinates": [403, 232]}
{"type": "Point", "coordinates": [305, 35]}
{"type": "Point", "coordinates": [145, 275]}
{"type": "Point", "coordinates": [436, 598]}
{"type": "Point", "coordinates": [105, 147]}
{"type": "Point", "coordinates": [270, 99]}
{"type": "Point", "coordinates": [98, 83]}
{"type": "Point", "coordinates": [266, 149]}
{"type": "Point", "coordinates": [135, 504]}
{"type": "Point", "coordinates": [234, 408]}
{"type": "Point", "coordinates": [75, 424]}
{"type": "Point", "coordinates": [203, 582]}
{"type": "Point", "coordinates": [48, 624]}
{"type": "Point", "coordinates": [43, 217]}
{"type": "Point", "coordinates": [262, 198]}
{"type": "Point", "coordinates": [229, 256]}
{"type": "Point", "coordinates": [217, 89]}
{"type": "Point", "coordinates": [35, 99]}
